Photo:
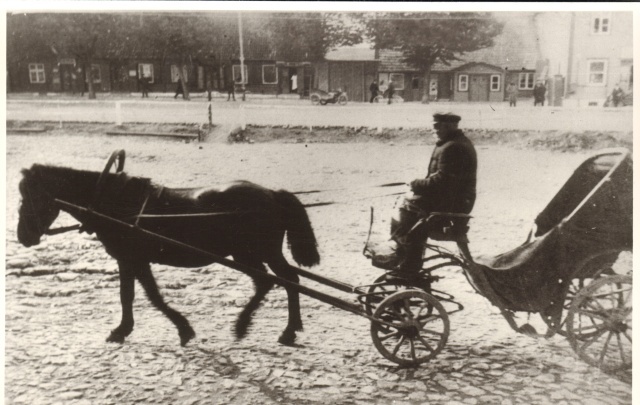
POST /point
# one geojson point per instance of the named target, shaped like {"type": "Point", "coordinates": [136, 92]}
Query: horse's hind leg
{"type": "Point", "coordinates": [281, 268]}
{"type": "Point", "coordinates": [148, 282]}
{"type": "Point", "coordinates": [263, 286]}
{"type": "Point", "coordinates": [127, 294]}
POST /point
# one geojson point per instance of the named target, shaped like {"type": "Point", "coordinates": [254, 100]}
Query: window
{"type": "Point", "coordinates": [237, 76]}
{"type": "Point", "coordinates": [495, 82]}
{"type": "Point", "coordinates": [174, 74]}
{"type": "Point", "coordinates": [36, 73]}
{"type": "Point", "coordinates": [597, 70]}
{"type": "Point", "coordinates": [415, 82]}
{"type": "Point", "coordinates": [145, 70]}
{"type": "Point", "coordinates": [95, 71]}
{"type": "Point", "coordinates": [525, 81]}
{"type": "Point", "coordinates": [463, 83]}
{"type": "Point", "coordinates": [600, 25]}
{"type": "Point", "coordinates": [398, 80]}
{"type": "Point", "coordinates": [269, 74]}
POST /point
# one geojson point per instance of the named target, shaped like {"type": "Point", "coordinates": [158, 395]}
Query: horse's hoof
{"type": "Point", "coordinates": [287, 338]}
{"type": "Point", "coordinates": [115, 338]}
{"type": "Point", "coordinates": [186, 337]}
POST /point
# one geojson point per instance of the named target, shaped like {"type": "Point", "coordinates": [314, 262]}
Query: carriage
{"type": "Point", "coordinates": [566, 270]}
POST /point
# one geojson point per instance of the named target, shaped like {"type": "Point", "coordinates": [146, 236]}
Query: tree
{"type": "Point", "coordinates": [427, 38]}
{"type": "Point", "coordinates": [308, 36]}
{"type": "Point", "coordinates": [80, 35]}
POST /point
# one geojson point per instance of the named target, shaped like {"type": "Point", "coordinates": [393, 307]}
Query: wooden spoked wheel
{"type": "Point", "coordinates": [415, 328]}
{"type": "Point", "coordinates": [378, 292]}
{"type": "Point", "coordinates": [599, 323]}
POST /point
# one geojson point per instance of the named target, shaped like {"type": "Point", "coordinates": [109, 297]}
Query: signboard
{"type": "Point", "coordinates": [132, 73]}
{"type": "Point", "coordinates": [67, 61]}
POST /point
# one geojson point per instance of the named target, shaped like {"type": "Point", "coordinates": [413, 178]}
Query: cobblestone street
{"type": "Point", "coordinates": [62, 296]}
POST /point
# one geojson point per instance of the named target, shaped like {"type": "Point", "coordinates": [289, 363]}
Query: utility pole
{"type": "Point", "coordinates": [241, 56]}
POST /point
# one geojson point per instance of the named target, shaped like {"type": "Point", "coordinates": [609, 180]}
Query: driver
{"type": "Point", "coordinates": [450, 186]}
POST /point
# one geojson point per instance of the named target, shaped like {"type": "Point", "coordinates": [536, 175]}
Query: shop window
{"type": "Point", "coordinates": [597, 72]}
{"type": "Point", "coordinates": [495, 82]}
{"type": "Point", "coordinates": [525, 81]}
{"type": "Point", "coordinates": [600, 25]}
{"type": "Point", "coordinates": [237, 76]}
{"type": "Point", "coordinates": [174, 74]}
{"type": "Point", "coordinates": [398, 80]}
{"type": "Point", "coordinates": [269, 74]}
{"type": "Point", "coordinates": [463, 83]}
{"type": "Point", "coordinates": [145, 70]}
{"type": "Point", "coordinates": [36, 73]}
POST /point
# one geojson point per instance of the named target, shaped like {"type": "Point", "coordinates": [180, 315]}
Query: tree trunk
{"type": "Point", "coordinates": [91, 89]}
{"type": "Point", "coordinates": [426, 85]}
{"type": "Point", "coordinates": [183, 82]}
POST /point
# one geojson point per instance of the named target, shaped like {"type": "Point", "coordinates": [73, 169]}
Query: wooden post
{"type": "Point", "coordinates": [118, 113]}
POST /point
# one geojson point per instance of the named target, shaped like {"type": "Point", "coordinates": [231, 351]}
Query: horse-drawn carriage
{"type": "Point", "coordinates": [564, 271]}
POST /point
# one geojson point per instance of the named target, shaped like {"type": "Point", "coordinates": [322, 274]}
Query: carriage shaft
{"type": "Point", "coordinates": [320, 296]}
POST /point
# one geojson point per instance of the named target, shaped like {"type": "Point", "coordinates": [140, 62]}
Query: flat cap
{"type": "Point", "coordinates": [446, 117]}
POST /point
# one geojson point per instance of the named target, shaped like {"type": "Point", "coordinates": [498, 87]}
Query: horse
{"type": "Point", "coordinates": [243, 220]}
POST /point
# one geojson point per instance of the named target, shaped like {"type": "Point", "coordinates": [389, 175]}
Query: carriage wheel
{"type": "Point", "coordinates": [342, 100]}
{"type": "Point", "coordinates": [599, 323]}
{"type": "Point", "coordinates": [315, 99]}
{"type": "Point", "coordinates": [418, 330]}
{"type": "Point", "coordinates": [377, 292]}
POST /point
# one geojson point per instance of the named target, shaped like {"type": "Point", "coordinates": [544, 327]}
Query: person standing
{"type": "Point", "coordinates": [144, 86]}
{"type": "Point", "coordinates": [450, 186]}
{"type": "Point", "coordinates": [231, 90]}
{"type": "Point", "coordinates": [373, 88]}
{"type": "Point", "coordinates": [539, 92]}
{"type": "Point", "coordinates": [179, 89]}
{"type": "Point", "coordinates": [512, 93]}
{"type": "Point", "coordinates": [391, 90]}
{"type": "Point", "coordinates": [616, 95]}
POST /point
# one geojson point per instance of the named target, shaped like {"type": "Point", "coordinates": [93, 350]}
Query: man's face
{"type": "Point", "coordinates": [443, 128]}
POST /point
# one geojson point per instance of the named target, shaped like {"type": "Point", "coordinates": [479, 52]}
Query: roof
{"type": "Point", "coordinates": [351, 53]}
{"type": "Point", "coordinates": [515, 48]}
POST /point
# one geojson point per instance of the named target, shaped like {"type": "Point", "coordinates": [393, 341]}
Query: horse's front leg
{"type": "Point", "coordinates": [281, 267]}
{"type": "Point", "coordinates": [127, 294]}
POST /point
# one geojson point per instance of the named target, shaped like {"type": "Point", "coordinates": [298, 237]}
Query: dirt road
{"type": "Point", "coordinates": [62, 296]}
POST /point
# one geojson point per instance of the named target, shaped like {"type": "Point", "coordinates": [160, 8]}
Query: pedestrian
{"type": "Point", "coordinates": [373, 88]}
{"type": "Point", "coordinates": [391, 89]}
{"type": "Point", "coordinates": [144, 86]}
{"type": "Point", "coordinates": [539, 92]}
{"type": "Point", "coordinates": [179, 89]}
{"type": "Point", "coordinates": [231, 90]}
{"type": "Point", "coordinates": [616, 95]}
{"type": "Point", "coordinates": [512, 93]}
{"type": "Point", "coordinates": [450, 186]}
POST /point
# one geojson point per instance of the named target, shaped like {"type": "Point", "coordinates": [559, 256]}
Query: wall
{"type": "Point", "coordinates": [349, 77]}
{"type": "Point", "coordinates": [484, 72]}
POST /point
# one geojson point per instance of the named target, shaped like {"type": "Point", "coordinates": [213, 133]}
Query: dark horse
{"type": "Point", "coordinates": [243, 220]}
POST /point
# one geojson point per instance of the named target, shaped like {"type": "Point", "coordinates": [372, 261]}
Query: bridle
{"type": "Point", "coordinates": [116, 156]}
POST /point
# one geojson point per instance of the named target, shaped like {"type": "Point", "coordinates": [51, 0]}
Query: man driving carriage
{"type": "Point", "coordinates": [450, 186]}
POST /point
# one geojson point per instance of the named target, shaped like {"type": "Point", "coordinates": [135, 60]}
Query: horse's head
{"type": "Point", "coordinates": [37, 210]}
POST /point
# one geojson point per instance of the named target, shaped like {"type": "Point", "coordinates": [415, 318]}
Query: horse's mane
{"type": "Point", "coordinates": [58, 174]}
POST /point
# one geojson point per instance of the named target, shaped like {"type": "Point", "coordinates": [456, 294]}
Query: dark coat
{"type": "Point", "coordinates": [538, 92]}
{"type": "Point", "coordinates": [373, 88]}
{"type": "Point", "coordinates": [450, 185]}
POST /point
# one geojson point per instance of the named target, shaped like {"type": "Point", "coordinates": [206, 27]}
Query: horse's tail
{"type": "Point", "coordinates": [300, 237]}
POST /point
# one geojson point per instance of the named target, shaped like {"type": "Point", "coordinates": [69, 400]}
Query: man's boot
{"type": "Point", "coordinates": [411, 262]}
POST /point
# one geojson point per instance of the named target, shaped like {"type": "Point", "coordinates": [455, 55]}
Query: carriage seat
{"type": "Point", "coordinates": [443, 226]}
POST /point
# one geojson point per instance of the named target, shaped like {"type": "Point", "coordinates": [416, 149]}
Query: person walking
{"type": "Point", "coordinates": [179, 90]}
{"type": "Point", "coordinates": [539, 92]}
{"type": "Point", "coordinates": [450, 186]}
{"type": "Point", "coordinates": [391, 90]}
{"type": "Point", "coordinates": [617, 95]}
{"type": "Point", "coordinates": [512, 93]}
{"type": "Point", "coordinates": [373, 88]}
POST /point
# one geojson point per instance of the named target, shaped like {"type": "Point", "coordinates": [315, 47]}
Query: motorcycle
{"type": "Point", "coordinates": [323, 98]}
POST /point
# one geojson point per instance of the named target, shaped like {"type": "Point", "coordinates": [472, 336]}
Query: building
{"type": "Point", "coordinates": [592, 51]}
{"type": "Point", "coordinates": [349, 69]}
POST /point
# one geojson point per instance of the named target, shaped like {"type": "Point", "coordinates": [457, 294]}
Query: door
{"type": "Point", "coordinates": [479, 88]}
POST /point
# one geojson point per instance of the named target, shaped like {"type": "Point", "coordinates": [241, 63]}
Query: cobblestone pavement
{"type": "Point", "coordinates": [62, 296]}
{"type": "Point", "coordinates": [302, 113]}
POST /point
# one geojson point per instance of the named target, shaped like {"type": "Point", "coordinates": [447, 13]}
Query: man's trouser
{"type": "Point", "coordinates": [410, 245]}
